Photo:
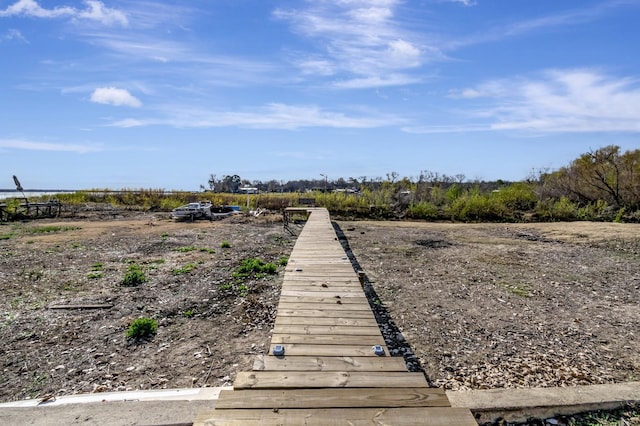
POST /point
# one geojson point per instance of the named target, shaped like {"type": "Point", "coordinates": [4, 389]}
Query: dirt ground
{"type": "Point", "coordinates": [509, 305]}
{"type": "Point", "coordinates": [477, 306]}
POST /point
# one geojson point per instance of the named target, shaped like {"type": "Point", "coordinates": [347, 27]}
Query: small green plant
{"type": "Point", "coordinates": [225, 245]}
{"type": "Point", "coordinates": [517, 289]}
{"type": "Point", "coordinates": [52, 228]}
{"type": "Point", "coordinates": [258, 267]}
{"type": "Point", "coordinates": [97, 266]}
{"type": "Point", "coordinates": [134, 276]}
{"type": "Point", "coordinates": [207, 250]}
{"type": "Point", "coordinates": [165, 236]}
{"type": "Point", "coordinates": [189, 313]}
{"type": "Point", "coordinates": [95, 275]}
{"type": "Point", "coordinates": [226, 286]}
{"type": "Point", "coordinates": [142, 327]}
{"type": "Point", "coordinates": [184, 249]}
{"type": "Point", "coordinates": [69, 287]}
{"type": "Point", "coordinates": [243, 290]}
{"type": "Point", "coordinates": [185, 269]}
{"type": "Point", "coordinates": [5, 236]}
{"type": "Point", "coordinates": [283, 261]}
{"type": "Point", "coordinates": [34, 275]}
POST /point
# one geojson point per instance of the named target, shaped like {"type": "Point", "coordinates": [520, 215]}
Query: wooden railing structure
{"type": "Point", "coordinates": [328, 363]}
{"type": "Point", "coordinates": [31, 210]}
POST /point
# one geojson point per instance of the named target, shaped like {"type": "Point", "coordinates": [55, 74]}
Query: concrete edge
{"type": "Point", "coordinates": [519, 405]}
{"type": "Point", "coordinates": [186, 394]}
{"type": "Point", "coordinates": [514, 405]}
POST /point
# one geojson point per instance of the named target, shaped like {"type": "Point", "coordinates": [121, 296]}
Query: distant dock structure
{"type": "Point", "coordinates": [25, 210]}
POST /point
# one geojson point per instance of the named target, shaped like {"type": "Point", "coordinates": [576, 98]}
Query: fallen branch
{"type": "Point", "coordinates": [96, 306]}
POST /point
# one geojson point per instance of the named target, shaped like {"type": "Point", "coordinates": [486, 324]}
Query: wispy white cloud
{"type": "Point", "coordinates": [94, 11]}
{"type": "Point", "coordinates": [271, 116]}
{"type": "Point", "coordinates": [114, 96]}
{"type": "Point", "coordinates": [561, 19]}
{"type": "Point", "coordinates": [46, 146]}
{"type": "Point", "coordinates": [357, 40]}
{"type": "Point", "coordinates": [463, 2]}
{"type": "Point", "coordinates": [573, 100]}
{"type": "Point", "coordinates": [13, 34]}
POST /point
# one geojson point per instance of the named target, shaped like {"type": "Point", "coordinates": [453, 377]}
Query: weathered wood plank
{"type": "Point", "coordinates": [325, 312]}
{"type": "Point", "coordinates": [329, 363]}
{"type": "Point", "coordinates": [334, 305]}
{"type": "Point", "coordinates": [326, 329]}
{"type": "Point", "coordinates": [346, 322]}
{"type": "Point", "coordinates": [305, 292]}
{"type": "Point", "coordinates": [329, 290]}
{"type": "Point", "coordinates": [332, 398]}
{"type": "Point", "coordinates": [323, 299]}
{"type": "Point", "coordinates": [301, 349]}
{"type": "Point", "coordinates": [327, 379]}
{"type": "Point", "coordinates": [319, 281]}
{"type": "Point", "coordinates": [327, 339]}
{"type": "Point", "coordinates": [425, 416]}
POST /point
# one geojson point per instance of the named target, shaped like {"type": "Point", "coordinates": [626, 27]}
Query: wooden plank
{"type": "Point", "coordinates": [327, 379]}
{"type": "Point", "coordinates": [329, 363]}
{"type": "Point", "coordinates": [325, 312]}
{"type": "Point", "coordinates": [328, 290]}
{"type": "Point", "coordinates": [327, 339]}
{"type": "Point", "coordinates": [346, 322]}
{"type": "Point", "coordinates": [323, 299]}
{"type": "Point", "coordinates": [332, 398]}
{"type": "Point", "coordinates": [320, 269]}
{"type": "Point", "coordinates": [301, 349]}
{"type": "Point", "coordinates": [334, 305]}
{"type": "Point", "coordinates": [319, 281]}
{"type": "Point", "coordinates": [327, 329]}
{"type": "Point", "coordinates": [352, 293]}
{"type": "Point", "coordinates": [425, 416]}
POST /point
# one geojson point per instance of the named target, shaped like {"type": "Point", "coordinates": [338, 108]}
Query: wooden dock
{"type": "Point", "coordinates": [329, 373]}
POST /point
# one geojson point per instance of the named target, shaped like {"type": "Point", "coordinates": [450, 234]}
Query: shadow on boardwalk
{"type": "Point", "coordinates": [394, 339]}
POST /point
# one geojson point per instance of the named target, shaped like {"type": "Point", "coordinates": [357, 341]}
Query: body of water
{"type": "Point", "coordinates": [4, 194]}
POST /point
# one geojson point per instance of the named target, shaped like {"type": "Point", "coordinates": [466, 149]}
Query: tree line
{"type": "Point", "coordinates": [599, 185]}
{"type": "Point", "coordinates": [602, 184]}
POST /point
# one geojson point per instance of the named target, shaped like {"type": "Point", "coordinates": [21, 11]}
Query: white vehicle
{"type": "Point", "coordinates": [203, 210]}
{"type": "Point", "coordinates": [192, 211]}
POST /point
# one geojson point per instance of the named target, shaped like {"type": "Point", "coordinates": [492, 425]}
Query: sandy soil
{"type": "Point", "coordinates": [474, 306]}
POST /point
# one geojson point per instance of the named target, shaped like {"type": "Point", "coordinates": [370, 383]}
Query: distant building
{"type": "Point", "coordinates": [248, 190]}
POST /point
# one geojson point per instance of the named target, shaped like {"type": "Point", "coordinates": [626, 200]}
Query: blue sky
{"type": "Point", "coordinates": [160, 94]}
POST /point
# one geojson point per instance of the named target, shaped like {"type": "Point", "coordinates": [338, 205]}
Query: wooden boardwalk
{"type": "Point", "coordinates": [329, 373]}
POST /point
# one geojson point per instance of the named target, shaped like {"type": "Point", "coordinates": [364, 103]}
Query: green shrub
{"type": "Point", "coordinates": [225, 245]}
{"type": "Point", "coordinates": [254, 266]}
{"type": "Point", "coordinates": [134, 276]}
{"type": "Point", "coordinates": [283, 261]}
{"type": "Point", "coordinates": [97, 266]}
{"type": "Point", "coordinates": [52, 228]}
{"type": "Point", "coordinates": [185, 269]}
{"type": "Point", "coordinates": [517, 196]}
{"type": "Point", "coordinates": [561, 210]}
{"type": "Point", "coordinates": [142, 327]}
{"type": "Point", "coordinates": [207, 250]}
{"type": "Point", "coordinates": [185, 249]}
{"type": "Point", "coordinates": [477, 207]}
{"type": "Point", "coordinates": [95, 275]}
{"type": "Point", "coordinates": [423, 210]}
